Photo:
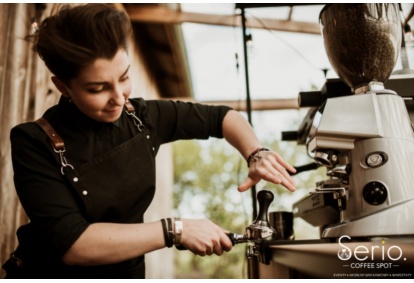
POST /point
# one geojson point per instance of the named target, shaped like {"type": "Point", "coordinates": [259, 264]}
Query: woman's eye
{"type": "Point", "coordinates": [124, 78]}
{"type": "Point", "coordinates": [95, 90]}
{"type": "Point", "coordinates": [98, 88]}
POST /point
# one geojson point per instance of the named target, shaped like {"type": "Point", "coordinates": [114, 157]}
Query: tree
{"type": "Point", "coordinates": [206, 174]}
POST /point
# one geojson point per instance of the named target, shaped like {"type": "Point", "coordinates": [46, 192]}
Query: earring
{"type": "Point", "coordinates": [66, 95]}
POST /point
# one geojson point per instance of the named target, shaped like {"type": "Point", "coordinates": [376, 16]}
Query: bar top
{"type": "Point", "coordinates": [346, 257]}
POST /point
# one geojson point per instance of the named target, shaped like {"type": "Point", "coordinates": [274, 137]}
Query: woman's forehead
{"type": "Point", "coordinates": [103, 69]}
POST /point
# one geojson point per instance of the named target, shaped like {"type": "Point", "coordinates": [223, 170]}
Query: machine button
{"type": "Point", "coordinates": [375, 193]}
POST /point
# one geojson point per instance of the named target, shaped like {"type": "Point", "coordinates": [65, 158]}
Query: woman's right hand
{"type": "Point", "coordinates": [203, 237]}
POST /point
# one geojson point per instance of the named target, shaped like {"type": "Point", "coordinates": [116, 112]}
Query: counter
{"type": "Point", "coordinates": [345, 258]}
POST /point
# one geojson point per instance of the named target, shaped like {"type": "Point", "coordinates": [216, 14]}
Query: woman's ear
{"type": "Point", "coordinates": [61, 86]}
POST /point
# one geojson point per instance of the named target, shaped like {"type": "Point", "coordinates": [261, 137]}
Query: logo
{"type": "Point", "coordinates": [370, 255]}
{"type": "Point", "coordinates": [344, 254]}
{"type": "Point", "coordinates": [380, 258]}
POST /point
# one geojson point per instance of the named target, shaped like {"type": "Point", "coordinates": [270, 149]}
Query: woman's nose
{"type": "Point", "coordinates": [118, 95]}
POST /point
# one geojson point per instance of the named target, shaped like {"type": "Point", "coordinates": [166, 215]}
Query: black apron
{"type": "Point", "coordinates": [109, 192]}
{"type": "Point", "coordinates": [117, 186]}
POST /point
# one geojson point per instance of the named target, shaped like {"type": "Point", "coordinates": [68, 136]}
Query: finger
{"type": "Point", "coordinates": [225, 242]}
{"type": "Point", "coordinates": [280, 179]}
{"type": "Point", "coordinates": [286, 165]}
{"type": "Point", "coordinates": [270, 174]}
{"type": "Point", "coordinates": [278, 169]}
{"type": "Point", "coordinates": [247, 184]}
{"type": "Point", "coordinates": [218, 250]}
{"type": "Point", "coordinates": [227, 247]}
{"type": "Point", "coordinates": [210, 251]}
{"type": "Point", "coordinates": [288, 185]}
{"type": "Point", "coordinates": [200, 252]}
{"type": "Point", "coordinates": [282, 165]}
{"type": "Point", "coordinates": [284, 173]}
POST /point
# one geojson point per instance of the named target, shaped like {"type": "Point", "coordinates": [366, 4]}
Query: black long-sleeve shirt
{"type": "Point", "coordinates": [58, 212]}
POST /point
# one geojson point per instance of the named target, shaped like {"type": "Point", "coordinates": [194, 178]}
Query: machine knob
{"type": "Point", "coordinates": [375, 193]}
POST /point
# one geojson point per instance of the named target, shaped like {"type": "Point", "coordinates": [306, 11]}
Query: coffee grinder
{"type": "Point", "coordinates": [365, 138]}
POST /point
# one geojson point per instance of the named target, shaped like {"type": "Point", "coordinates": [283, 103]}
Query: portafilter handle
{"type": "Point", "coordinates": [234, 238]}
{"type": "Point", "coordinates": [237, 238]}
{"type": "Point", "coordinates": [260, 228]}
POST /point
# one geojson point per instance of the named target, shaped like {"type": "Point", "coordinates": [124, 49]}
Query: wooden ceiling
{"type": "Point", "coordinates": [157, 29]}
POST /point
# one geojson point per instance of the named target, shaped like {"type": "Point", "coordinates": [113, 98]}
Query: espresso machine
{"type": "Point", "coordinates": [362, 131]}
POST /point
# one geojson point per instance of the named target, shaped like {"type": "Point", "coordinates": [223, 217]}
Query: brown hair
{"type": "Point", "coordinates": [77, 36]}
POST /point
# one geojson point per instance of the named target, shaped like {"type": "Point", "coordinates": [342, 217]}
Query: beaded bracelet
{"type": "Point", "coordinates": [254, 156]}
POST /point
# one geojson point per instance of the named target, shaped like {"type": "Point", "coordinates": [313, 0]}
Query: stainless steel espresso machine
{"type": "Point", "coordinates": [365, 137]}
{"type": "Point", "coordinates": [358, 127]}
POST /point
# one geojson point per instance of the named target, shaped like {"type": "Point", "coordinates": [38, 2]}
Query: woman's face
{"type": "Point", "coordinates": [101, 88]}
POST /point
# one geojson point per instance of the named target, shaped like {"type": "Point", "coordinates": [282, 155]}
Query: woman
{"type": "Point", "coordinates": [86, 204]}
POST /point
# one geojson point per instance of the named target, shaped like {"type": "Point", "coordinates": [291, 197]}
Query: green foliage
{"type": "Point", "coordinates": [206, 187]}
{"type": "Point", "coordinates": [206, 174]}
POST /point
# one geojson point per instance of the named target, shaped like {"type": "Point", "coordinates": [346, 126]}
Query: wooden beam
{"type": "Point", "coordinates": [164, 15]}
{"type": "Point", "coordinates": [257, 105]}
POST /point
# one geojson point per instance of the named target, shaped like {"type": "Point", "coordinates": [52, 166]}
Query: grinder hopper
{"type": "Point", "coordinates": [362, 41]}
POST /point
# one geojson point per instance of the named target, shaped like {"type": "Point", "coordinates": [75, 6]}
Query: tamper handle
{"type": "Point", "coordinates": [265, 198]}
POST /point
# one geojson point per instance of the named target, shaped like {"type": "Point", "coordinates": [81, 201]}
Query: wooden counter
{"type": "Point", "coordinates": [379, 258]}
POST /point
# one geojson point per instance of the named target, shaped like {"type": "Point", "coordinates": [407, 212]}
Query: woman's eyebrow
{"type": "Point", "coordinates": [102, 83]}
{"type": "Point", "coordinates": [126, 71]}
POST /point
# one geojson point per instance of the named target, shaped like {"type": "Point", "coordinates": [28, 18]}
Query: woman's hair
{"type": "Point", "coordinates": [76, 36]}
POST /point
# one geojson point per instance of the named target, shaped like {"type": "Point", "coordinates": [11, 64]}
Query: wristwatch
{"type": "Point", "coordinates": [178, 231]}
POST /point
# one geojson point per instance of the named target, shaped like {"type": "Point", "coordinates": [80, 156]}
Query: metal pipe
{"type": "Point", "coordinates": [248, 100]}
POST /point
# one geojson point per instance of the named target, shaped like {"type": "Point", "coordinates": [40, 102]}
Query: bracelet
{"type": "Point", "coordinates": [178, 230]}
{"type": "Point", "coordinates": [170, 233]}
{"type": "Point", "coordinates": [167, 232]}
{"type": "Point", "coordinates": [254, 156]}
{"type": "Point", "coordinates": [164, 229]}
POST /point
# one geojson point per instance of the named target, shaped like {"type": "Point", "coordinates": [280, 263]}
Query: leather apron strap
{"type": "Point", "coordinates": [55, 139]}
{"type": "Point", "coordinates": [57, 143]}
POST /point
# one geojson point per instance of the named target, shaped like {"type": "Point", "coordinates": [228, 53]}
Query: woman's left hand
{"type": "Point", "coordinates": [270, 167]}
